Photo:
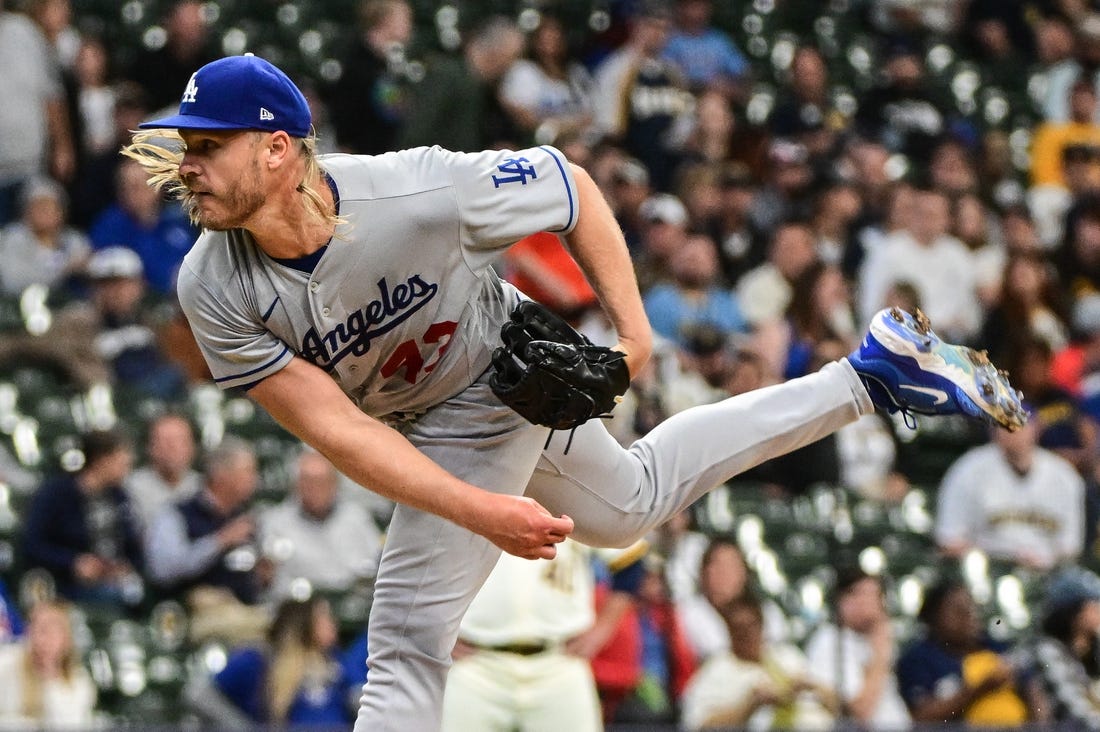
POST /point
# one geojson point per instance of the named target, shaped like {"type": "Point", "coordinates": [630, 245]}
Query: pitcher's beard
{"type": "Point", "coordinates": [234, 214]}
{"type": "Point", "coordinates": [231, 211]}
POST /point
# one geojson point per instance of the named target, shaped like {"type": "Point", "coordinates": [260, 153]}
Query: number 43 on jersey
{"type": "Point", "coordinates": [408, 355]}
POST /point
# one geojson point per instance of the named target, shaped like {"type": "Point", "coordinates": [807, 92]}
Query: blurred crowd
{"type": "Point", "coordinates": [775, 192]}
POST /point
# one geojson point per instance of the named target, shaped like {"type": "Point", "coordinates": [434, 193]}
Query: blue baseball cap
{"type": "Point", "coordinates": [1071, 586]}
{"type": "Point", "coordinates": [239, 93]}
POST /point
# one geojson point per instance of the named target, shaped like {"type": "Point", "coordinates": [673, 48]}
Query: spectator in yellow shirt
{"type": "Point", "coordinates": [1051, 138]}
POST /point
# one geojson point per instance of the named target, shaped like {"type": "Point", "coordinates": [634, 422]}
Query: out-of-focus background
{"type": "Point", "coordinates": [782, 169]}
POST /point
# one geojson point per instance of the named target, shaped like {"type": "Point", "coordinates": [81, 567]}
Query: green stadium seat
{"type": "Point", "coordinates": [802, 552]}
{"type": "Point", "coordinates": [906, 552]}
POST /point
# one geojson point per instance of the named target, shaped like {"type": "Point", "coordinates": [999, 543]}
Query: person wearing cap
{"type": "Point", "coordinates": [664, 230]}
{"type": "Point", "coordinates": [106, 337]}
{"type": "Point", "coordinates": [125, 336]}
{"type": "Point", "coordinates": [1068, 650]}
{"type": "Point", "coordinates": [628, 187]}
{"type": "Point", "coordinates": [786, 191]}
{"type": "Point", "coordinates": [353, 298]}
{"type": "Point", "coordinates": [41, 248]}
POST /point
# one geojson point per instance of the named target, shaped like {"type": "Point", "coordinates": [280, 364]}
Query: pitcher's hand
{"type": "Point", "coordinates": [520, 526]}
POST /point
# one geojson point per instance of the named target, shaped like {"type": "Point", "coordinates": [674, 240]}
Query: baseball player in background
{"type": "Point", "coordinates": [353, 298]}
{"type": "Point", "coordinates": [524, 645]}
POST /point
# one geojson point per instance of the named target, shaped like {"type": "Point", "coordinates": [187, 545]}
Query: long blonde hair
{"type": "Point", "coordinates": [160, 151]}
{"type": "Point", "coordinates": [33, 681]}
{"type": "Point", "coordinates": [295, 654]}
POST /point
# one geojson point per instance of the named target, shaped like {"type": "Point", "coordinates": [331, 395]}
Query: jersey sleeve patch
{"type": "Point", "coordinates": [506, 195]}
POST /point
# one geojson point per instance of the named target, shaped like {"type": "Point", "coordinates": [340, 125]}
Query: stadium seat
{"type": "Point", "coordinates": [802, 552]}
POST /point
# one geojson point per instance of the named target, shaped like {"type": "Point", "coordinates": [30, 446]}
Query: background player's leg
{"type": "Point", "coordinates": [616, 495]}
{"type": "Point", "coordinates": [500, 692]}
{"type": "Point", "coordinates": [563, 696]}
{"type": "Point", "coordinates": [481, 694]}
{"type": "Point", "coordinates": [431, 568]}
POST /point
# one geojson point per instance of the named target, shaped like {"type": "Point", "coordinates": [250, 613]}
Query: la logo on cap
{"type": "Point", "coordinates": [191, 90]}
{"type": "Point", "coordinates": [265, 115]}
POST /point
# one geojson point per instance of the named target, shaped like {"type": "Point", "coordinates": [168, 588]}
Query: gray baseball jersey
{"type": "Point", "coordinates": [403, 308]}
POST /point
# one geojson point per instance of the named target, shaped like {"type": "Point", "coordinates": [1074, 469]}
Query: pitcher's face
{"type": "Point", "coordinates": [222, 171]}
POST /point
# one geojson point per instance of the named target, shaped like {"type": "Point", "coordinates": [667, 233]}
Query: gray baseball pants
{"type": "Point", "coordinates": [431, 568]}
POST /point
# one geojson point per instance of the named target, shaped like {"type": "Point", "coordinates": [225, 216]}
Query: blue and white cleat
{"type": "Point", "coordinates": [906, 367]}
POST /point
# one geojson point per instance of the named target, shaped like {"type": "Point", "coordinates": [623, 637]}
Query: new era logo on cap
{"type": "Point", "coordinates": [233, 88]}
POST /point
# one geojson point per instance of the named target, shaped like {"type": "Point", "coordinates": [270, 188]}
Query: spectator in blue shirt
{"type": "Point", "coordinates": [706, 54]}
{"type": "Point", "coordinates": [141, 220]}
{"type": "Point", "coordinates": [297, 678]}
{"type": "Point", "coordinates": [694, 297]}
